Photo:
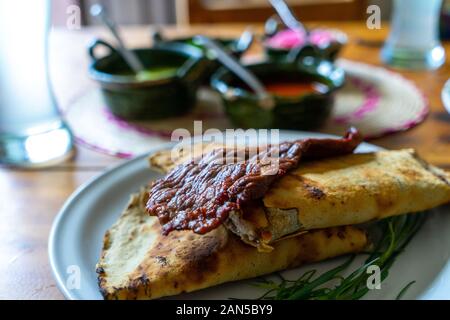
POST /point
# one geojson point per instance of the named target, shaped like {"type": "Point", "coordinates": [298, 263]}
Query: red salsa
{"type": "Point", "coordinates": [295, 89]}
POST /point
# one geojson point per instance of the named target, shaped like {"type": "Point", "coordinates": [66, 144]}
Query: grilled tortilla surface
{"type": "Point", "coordinates": [138, 262]}
{"type": "Point", "coordinates": [357, 188]}
{"type": "Point", "coordinates": [338, 191]}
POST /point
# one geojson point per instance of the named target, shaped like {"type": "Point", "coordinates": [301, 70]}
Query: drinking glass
{"type": "Point", "coordinates": [32, 132]}
{"type": "Point", "coordinates": [413, 42]}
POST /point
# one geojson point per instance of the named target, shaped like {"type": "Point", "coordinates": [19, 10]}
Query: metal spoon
{"type": "Point", "coordinates": [266, 100]}
{"type": "Point", "coordinates": [287, 16]}
{"type": "Point", "coordinates": [245, 40]}
{"type": "Point", "coordinates": [99, 12]}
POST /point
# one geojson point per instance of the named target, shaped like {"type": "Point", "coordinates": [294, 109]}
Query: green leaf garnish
{"type": "Point", "coordinates": [396, 232]}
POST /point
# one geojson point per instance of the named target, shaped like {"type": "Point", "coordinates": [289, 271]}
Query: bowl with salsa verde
{"type": "Point", "coordinates": [303, 92]}
{"type": "Point", "coordinates": [166, 88]}
{"type": "Point", "coordinates": [278, 42]}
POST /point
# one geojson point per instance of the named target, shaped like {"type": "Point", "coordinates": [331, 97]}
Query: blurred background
{"type": "Point", "coordinates": [219, 11]}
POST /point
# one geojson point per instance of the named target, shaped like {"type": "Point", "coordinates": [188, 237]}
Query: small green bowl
{"type": "Point", "coordinates": [178, 72]}
{"type": "Point", "coordinates": [306, 111]}
{"type": "Point", "coordinates": [230, 44]}
{"type": "Point", "coordinates": [329, 51]}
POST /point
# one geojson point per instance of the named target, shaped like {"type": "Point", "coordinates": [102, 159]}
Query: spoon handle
{"type": "Point", "coordinates": [234, 66]}
{"type": "Point", "coordinates": [129, 56]}
{"type": "Point", "coordinates": [286, 15]}
{"type": "Point", "coordinates": [245, 40]}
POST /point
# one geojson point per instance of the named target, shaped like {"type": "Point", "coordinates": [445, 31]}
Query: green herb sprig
{"type": "Point", "coordinates": [396, 232]}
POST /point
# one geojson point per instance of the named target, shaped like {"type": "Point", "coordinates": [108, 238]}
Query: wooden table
{"type": "Point", "coordinates": [31, 199]}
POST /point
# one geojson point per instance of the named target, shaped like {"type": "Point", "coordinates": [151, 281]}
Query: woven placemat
{"type": "Point", "coordinates": [374, 100]}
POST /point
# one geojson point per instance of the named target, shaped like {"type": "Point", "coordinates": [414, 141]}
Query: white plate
{"type": "Point", "coordinates": [76, 239]}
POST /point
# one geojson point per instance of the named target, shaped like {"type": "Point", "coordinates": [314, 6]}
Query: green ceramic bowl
{"type": "Point", "coordinates": [302, 111]}
{"type": "Point", "coordinates": [175, 75]}
{"type": "Point", "coordinates": [329, 50]}
{"type": "Point", "coordinates": [230, 44]}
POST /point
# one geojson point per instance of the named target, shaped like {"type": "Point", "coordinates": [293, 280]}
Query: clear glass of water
{"type": "Point", "coordinates": [32, 132]}
{"type": "Point", "coordinates": [413, 42]}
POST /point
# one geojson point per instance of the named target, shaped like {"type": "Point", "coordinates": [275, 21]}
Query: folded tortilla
{"type": "Point", "coordinates": [138, 262]}
{"type": "Point", "coordinates": [339, 191]}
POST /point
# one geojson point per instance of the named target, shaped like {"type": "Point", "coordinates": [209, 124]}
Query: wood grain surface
{"type": "Point", "coordinates": [31, 199]}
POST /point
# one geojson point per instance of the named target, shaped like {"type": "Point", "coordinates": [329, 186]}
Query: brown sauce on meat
{"type": "Point", "coordinates": [199, 195]}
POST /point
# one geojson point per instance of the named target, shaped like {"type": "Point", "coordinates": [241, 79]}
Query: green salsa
{"type": "Point", "coordinates": [156, 73]}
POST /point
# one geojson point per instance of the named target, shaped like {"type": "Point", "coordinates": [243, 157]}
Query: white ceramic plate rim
{"type": "Point", "coordinates": [70, 201]}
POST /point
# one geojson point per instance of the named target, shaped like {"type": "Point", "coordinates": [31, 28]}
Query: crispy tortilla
{"type": "Point", "coordinates": [358, 188]}
{"type": "Point", "coordinates": [344, 190]}
{"type": "Point", "coordinates": [138, 262]}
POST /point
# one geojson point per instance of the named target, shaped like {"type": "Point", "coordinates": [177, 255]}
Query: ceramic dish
{"type": "Point", "coordinates": [279, 41]}
{"type": "Point", "coordinates": [77, 233]}
{"type": "Point", "coordinates": [232, 45]}
{"type": "Point", "coordinates": [298, 109]}
{"type": "Point", "coordinates": [177, 71]}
